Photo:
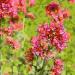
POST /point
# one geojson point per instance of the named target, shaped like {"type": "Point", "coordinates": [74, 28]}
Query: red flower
{"type": "Point", "coordinates": [66, 13]}
{"type": "Point", "coordinates": [72, 1]}
{"type": "Point", "coordinates": [57, 68]}
{"type": "Point", "coordinates": [4, 1]}
{"type": "Point", "coordinates": [30, 15]}
{"type": "Point", "coordinates": [1, 31]}
{"type": "Point", "coordinates": [8, 31]}
{"type": "Point", "coordinates": [11, 7]}
{"type": "Point", "coordinates": [29, 55]}
{"type": "Point", "coordinates": [58, 62]}
{"type": "Point", "coordinates": [14, 43]}
{"type": "Point", "coordinates": [16, 26]}
{"type": "Point", "coordinates": [52, 7]}
{"type": "Point", "coordinates": [31, 2]}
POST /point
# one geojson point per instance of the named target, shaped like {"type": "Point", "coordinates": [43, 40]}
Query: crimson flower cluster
{"type": "Point", "coordinates": [12, 7]}
{"type": "Point", "coordinates": [51, 38]}
{"type": "Point", "coordinates": [72, 1]}
{"type": "Point", "coordinates": [56, 13]}
{"type": "Point", "coordinates": [58, 67]}
{"type": "Point", "coordinates": [54, 34]}
{"type": "Point", "coordinates": [8, 32]}
{"type": "Point", "coordinates": [14, 43]}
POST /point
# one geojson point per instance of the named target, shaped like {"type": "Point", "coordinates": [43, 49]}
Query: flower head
{"type": "Point", "coordinates": [14, 43]}
{"type": "Point", "coordinates": [31, 2]}
{"type": "Point", "coordinates": [1, 31]}
{"type": "Point", "coordinates": [55, 35]}
{"type": "Point", "coordinates": [11, 7]}
{"type": "Point", "coordinates": [71, 1]}
{"type": "Point", "coordinates": [66, 13]}
{"type": "Point", "coordinates": [57, 68]}
{"type": "Point", "coordinates": [16, 26]}
{"type": "Point", "coordinates": [29, 56]}
{"type": "Point", "coordinates": [52, 7]}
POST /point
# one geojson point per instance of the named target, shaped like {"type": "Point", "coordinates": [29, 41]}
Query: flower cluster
{"type": "Point", "coordinates": [8, 33]}
{"type": "Point", "coordinates": [71, 1]}
{"type": "Point", "coordinates": [29, 55]}
{"type": "Point", "coordinates": [14, 43]}
{"type": "Point", "coordinates": [57, 68]}
{"type": "Point", "coordinates": [57, 14]}
{"type": "Point", "coordinates": [51, 38]}
{"type": "Point", "coordinates": [12, 7]}
{"type": "Point", "coordinates": [55, 35]}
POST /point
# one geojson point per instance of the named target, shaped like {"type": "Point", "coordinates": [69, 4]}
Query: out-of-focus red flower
{"type": "Point", "coordinates": [6, 74]}
{"type": "Point", "coordinates": [23, 6]}
{"type": "Point", "coordinates": [8, 31]}
{"type": "Point", "coordinates": [57, 68]}
{"type": "Point", "coordinates": [52, 8]}
{"type": "Point", "coordinates": [31, 2]}
{"type": "Point", "coordinates": [30, 15]}
{"type": "Point", "coordinates": [13, 27]}
{"type": "Point", "coordinates": [58, 62]}
{"type": "Point", "coordinates": [53, 35]}
{"type": "Point", "coordinates": [4, 1]}
{"type": "Point", "coordinates": [16, 26]}
{"type": "Point", "coordinates": [48, 54]}
{"type": "Point", "coordinates": [66, 13]}
{"type": "Point", "coordinates": [58, 18]}
{"type": "Point", "coordinates": [71, 1]}
{"type": "Point", "coordinates": [14, 43]}
{"type": "Point", "coordinates": [57, 14]}
{"type": "Point", "coordinates": [1, 31]}
{"type": "Point", "coordinates": [12, 7]}
{"type": "Point", "coordinates": [59, 36]}
{"type": "Point", "coordinates": [29, 55]}
{"type": "Point", "coordinates": [56, 35]}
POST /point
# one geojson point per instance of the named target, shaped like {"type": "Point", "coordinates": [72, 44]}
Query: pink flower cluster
{"type": "Point", "coordinates": [11, 29]}
{"type": "Point", "coordinates": [72, 1]}
{"type": "Point", "coordinates": [14, 43]}
{"type": "Point", "coordinates": [8, 33]}
{"type": "Point", "coordinates": [54, 34]}
{"type": "Point", "coordinates": [57, 14]}
{"type": "Point", "coordinates": [51, 38]}
{"type": "Point", "coordinates": [57, 68]}
{"type": "Point", "coordinates": [12, 7]}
